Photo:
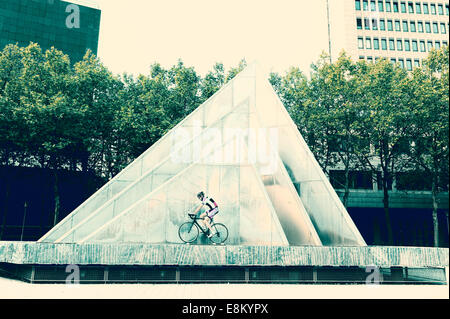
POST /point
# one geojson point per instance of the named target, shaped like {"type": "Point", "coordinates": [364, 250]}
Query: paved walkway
{"type": "Point", "coordinates": [11, 289]}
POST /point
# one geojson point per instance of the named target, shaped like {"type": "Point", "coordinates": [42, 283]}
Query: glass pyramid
{"type": "Point", "coordinates": [239, 147]}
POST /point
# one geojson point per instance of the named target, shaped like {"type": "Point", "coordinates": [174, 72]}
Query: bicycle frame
{"type": "Point", "coordinates": [194, 221]}
{"type": "Point", "coordinates": [219, 236]}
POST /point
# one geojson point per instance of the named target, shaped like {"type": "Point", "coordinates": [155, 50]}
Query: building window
{"type": "Point", "coordinates": [403, 7]}
{"type": "Point", "coordinates": [412, 26]}
{"type": "Point", "coordinates": [383, 44]}
{"type": "Point", "coordinates": [373, 5]}
{"type": "Point", "coordinates": [420, 26]}
{"type": "Point", "coordinates": [358, 5]}
{"type": "Point", "coordinates": [380, 6]}
{"type": "Point", "coordinates": [416, 63]}
{"type": "Point", "coordinates": [444, 43]}
{"type": "Point", "coordinates": [391, 44]}
{"type": "Point", "coordinates": [397, 25]}
{"type": "Point", "coordinates": [356, 179]}
{"type": "Point", "coordinates": [382, 25]}
{"type": "Point", "coordinates": [405, 26]}
{"type": "Point", "coordinates": [390, 26]}
{"type": "Point", "coordinates": [443, 30]}
{"type": "Point", "coordinates": [414, 181]}
{"type": "Point", "coordinates": [409, 64]}
{"type": "Point", "coordinates": [433, 8]}
{"type": "Point", "coordinates": [422, 46]}
{"type": "Point", "coordinates": [446, 9]}
{"type": "Point", "coordinates": [395, 5]}
{"type": "Point", "coordinates": [376, 44]}
{"type": "Point", "coordinates": [418, 8]}
{"type": "Point", "coordinates": [414, 46]}
{"type": "Point", "coordinates": [365, 5]}
{"type": "Point", "coordinates": [358, 23]}
{"type": "Point", "coordinates": [360, 43]}
{"type": "Point", "coordinates": [402, 63]}
{"type": "Point", "coordinates": [368, 43]}
{"type": "Point", "coordinates": [388, 6]}
{"type": "Point", "coordinates": [374, 24]}
{"type": "Point", "coordinates": [430, 45]}
{"type": "Point", "coordinates": [425, 8]}
{"type": "Point", "coordinates": [435, 27]}
{"type": "Point", "coordinates": [399, 45]}
{"type": "Point", "coordinates": [366, 23]}
{"type": "Point", "coordinates": [393, 60]}
{"type": "Point", "coordinates": [437, 44]}
{"type": "Point", "coordinates": [407, 45]}
{"type": "Point", "coordinates": [410, 7]}
{"type": "Point", "coordinates": [361, 57]}
{"type": "Point", "coordinates": [369, 59]}
{"type": "Point", "coordinates": [428, 27]}
{"type": "Point", "coordinates": [441, 9]}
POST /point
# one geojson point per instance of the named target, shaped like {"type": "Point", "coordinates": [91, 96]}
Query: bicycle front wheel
{"type": "Point", "coordinates": [221, 234]}
{"type": "Point", "coordinates": [188, 232]}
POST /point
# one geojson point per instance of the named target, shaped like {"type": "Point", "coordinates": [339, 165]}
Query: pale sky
{"type": "Point", "coordinates": [276, 33]}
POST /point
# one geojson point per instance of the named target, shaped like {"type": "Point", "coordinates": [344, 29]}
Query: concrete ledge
{"type": "Point", "coordinates": [397, 199]}
{"type": "Point", "coordinates": [33, 253]}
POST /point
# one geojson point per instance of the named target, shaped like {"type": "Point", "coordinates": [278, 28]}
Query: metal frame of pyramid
{"type": "Point", "coordinates": [242, 148]}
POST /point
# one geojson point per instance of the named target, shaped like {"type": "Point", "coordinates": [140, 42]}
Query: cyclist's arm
{"type": "Point", "coordinates": [198, 208]}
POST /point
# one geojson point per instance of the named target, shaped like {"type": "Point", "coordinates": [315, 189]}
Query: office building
{"type": "Point", "coordinates": [68, 26]}
{"type": "Point", "coordinates": [402, 31]}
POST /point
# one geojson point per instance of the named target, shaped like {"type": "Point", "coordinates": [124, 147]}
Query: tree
{"type": "Point", "coordinates": [213, 81]}
{"type": "Point", "coordinates": [338, 83]}
{"type": "Point", "coordinates": [383, 123]}
{"type": "Point", "coordinates": [10, 91]}
{"type": "Point", "coordinates": [235, 70]}
{"type": "Point", "coordinates": [141, 118]}
{"type": "Point", "coordinates": [94, 90]}
{"type": "Point", "coordinates": [184, 86]}
{"type": "Point", "coordinates": [430, 125]}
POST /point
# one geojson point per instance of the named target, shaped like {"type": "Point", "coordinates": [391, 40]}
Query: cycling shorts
{"type": "Point", "coordinates": [213, 212]}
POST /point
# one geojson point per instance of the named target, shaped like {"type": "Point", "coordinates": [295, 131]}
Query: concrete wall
{"type": "Point", "coordinates": [147, 254]}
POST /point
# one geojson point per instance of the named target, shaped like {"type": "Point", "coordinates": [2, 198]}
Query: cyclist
{"type": "Point", "coordinates": [210, 208]}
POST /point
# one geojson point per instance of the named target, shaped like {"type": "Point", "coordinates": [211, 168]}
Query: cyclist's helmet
{"type": "Point", "coordinates": [200, 195]}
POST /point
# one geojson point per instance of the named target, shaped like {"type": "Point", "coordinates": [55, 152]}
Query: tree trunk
{"type": "Point", "coordinates": [84, 161]}
{"type": "Point", "coordinates": [386, 207]}
{"type": "Point", "coordinates": [56, 198]}
{"type": "Point", "coordinates": [42, 214]}
{"type": "Point", "coordinates": [25, 205]}
{"type": "Point", "coordinates": [446, 215]}
{"type": "Point", "coordinates": [435, 208]}
{"type": "Point", "coordinates": [346, 191]}
{"type": "Point", "coordinates": [376, 232]}
{"type": "Point", "coordinates": [5, 209]}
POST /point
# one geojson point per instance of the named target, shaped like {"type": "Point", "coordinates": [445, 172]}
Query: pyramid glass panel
{"type": "Point", "coordinates": [242, 148]}
{"type": "Point", "coordinates": [222, 102]}
{"type": "Point", "coordinates": [243, 207]}
{"type": "Point", "coordinates": [191, 148]}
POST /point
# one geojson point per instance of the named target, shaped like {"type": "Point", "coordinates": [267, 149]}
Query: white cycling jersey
{"type": "Point", "coordinates": [209, 203]}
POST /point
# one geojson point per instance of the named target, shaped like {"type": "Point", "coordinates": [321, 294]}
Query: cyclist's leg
{"type": "Point", "coordinates": [208, 224]}
{"type": "Point", "coordinates": [202, 215]}
{"type": "Point", "coordinates": [209, 219]}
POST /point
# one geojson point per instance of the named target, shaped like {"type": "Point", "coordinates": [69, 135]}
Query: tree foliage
{"type": "Point", "coordinates": [353, 115]}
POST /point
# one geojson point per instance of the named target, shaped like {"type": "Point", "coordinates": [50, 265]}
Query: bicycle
{"type": "Point", "coordinates": [188, 233]}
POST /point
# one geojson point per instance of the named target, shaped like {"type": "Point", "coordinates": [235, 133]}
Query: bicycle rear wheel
{"type": "Point", "coordinates": [188, 232]}
{"type": "Point", "coordinates": [221, 234]}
